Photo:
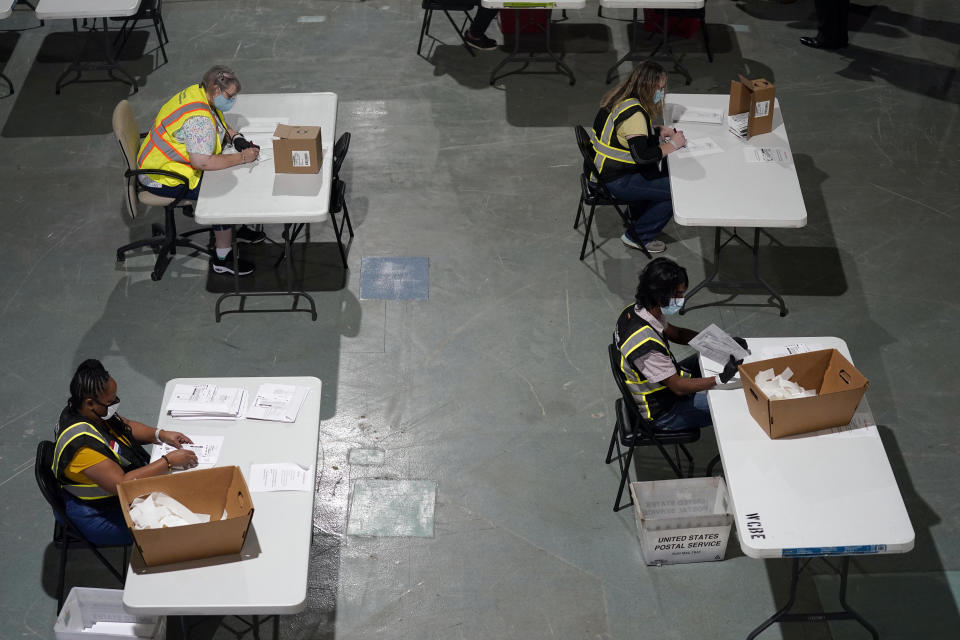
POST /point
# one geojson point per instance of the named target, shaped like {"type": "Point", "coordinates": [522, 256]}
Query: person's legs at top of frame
{"type": "Point", "coordinates": [476, 35]}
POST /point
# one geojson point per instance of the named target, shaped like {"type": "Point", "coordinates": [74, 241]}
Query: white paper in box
{"type": "Point", "coordinates": [98, 614]}
{"type": "Point", "coordinates": [680, 521]}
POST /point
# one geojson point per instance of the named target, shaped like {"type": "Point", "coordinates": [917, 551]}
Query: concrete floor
{"type": "Point", "coordinates": [497, 387]}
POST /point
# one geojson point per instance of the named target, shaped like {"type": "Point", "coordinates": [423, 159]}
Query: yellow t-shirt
{"type": "Point", "coordinates": [635, 125]}
{"type": "Point", "coordinates": [84, 458]}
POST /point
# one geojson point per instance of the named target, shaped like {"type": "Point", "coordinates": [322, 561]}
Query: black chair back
{"type": "Point", "coordinates": [340, 149]}
{"type": "Point", "coordinates": [49, 486]}
{"type": "Point", "coordinates": [634, 419]}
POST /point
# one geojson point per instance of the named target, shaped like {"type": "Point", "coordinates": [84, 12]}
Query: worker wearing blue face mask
{"type": "Point", "coordinates": [669, 394]}
{"type": "Point", "coordinates": [629, 149]}
{"type": "Point", "coordinates": [186, 140]}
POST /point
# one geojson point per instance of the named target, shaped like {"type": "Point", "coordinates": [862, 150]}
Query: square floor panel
{"type": "Point", "coordinates": [394, 278]}
{"type": "Point", "coordinates": [366, 457]}
{"type": "Point", "coordinates": [393, 508]}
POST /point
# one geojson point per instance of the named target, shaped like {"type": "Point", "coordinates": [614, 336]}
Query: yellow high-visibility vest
{"type": "Point", "coordinates": [161, 150]}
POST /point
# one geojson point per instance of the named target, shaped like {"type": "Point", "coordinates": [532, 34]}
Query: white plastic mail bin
{"type": "Point", "coordinates": [98, 614]}
{"type": "Point", "coordinates": [685, 520]}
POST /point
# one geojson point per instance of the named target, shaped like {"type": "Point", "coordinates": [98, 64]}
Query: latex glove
{"type": "Point", "coordinates": [729, 370]}
{"type": "Point", "coordinates": [741, 342]}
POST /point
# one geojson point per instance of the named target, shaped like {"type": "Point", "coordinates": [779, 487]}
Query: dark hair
{"type": "Point", "coordinates": [658, 282]}
{"type": "Point", "coordinates": [88, 382]}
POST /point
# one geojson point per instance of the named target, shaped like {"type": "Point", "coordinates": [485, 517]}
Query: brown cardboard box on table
{"type": "Point", "coordinates": [210, 491]}
{"type": "Point", "coordinates": [756, 98]}
{"type": "Point", "coordinates": [297, 149]}
{"type": "Point", "coordinates": [839, 386]}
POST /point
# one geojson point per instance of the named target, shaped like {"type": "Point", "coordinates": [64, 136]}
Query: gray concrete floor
{"type": "Point", "coordinates": [497, 387]}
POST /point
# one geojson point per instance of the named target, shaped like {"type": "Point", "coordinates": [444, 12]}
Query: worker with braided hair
{"type": "Point", "coordinates": [97, 449]}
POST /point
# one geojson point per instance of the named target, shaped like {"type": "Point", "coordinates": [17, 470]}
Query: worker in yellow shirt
{"type": "Point", "coordinates": [97, 449]}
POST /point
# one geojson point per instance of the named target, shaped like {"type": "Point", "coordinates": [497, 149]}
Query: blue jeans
{"type": "Point", "coordinates": [689, 412]}
{"type": "Point", "coordinates": [165, 191]}
{"type": "Point", "coordinates": [651, 205]}
{"type": "Point", "coordinates": [101, 524]}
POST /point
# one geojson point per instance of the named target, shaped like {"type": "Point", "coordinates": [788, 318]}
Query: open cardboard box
{"type": "Point", "coordinates": [212, 491]}
{"type": "Point", "coordinates": [839, 386]}
{"type": "Point", "coordinates": [756, 98]}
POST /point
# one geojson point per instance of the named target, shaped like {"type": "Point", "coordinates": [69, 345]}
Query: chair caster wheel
{"type": "Point", "coordinates": [121, 257]}
{"type": "Point", "coordinates": [154, 277]}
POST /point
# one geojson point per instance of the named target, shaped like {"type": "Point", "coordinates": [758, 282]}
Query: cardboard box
{"type": "Point", "coordinates": [839, 386]}
{"type": "Point", "coordinates": [756, 98]}
{"type": "Point", "coordinates": [98, 614]}
{"type": "Point", "coordinates": [297, 149]}
{"type": "Point", "coordinates": [681, 521]}
{"type": "Point", "coordinates": [211, 491]}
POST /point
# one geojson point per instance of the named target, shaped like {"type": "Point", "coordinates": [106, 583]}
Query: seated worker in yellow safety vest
{"type": "Point", "coordinates": [186, 139]}
{"type": "Point", "coordinates": [97, 449]}
{"type": "Point", "coordinates": [629, 149]}
{"type": "Point", "coordinates": [668, 393]}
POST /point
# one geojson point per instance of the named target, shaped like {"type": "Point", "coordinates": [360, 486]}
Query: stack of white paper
{"type": "Point", "coordinates": [695, 114]}
{"type": "Point", "coordinates": [281, 476]}
{"type": "Point", "coordinates": [738, 124]}
{"type": "Point", "coordinates": [206, 401]}
{"type": "Point", "coordinates": [278, 402]}
{"type": "Point", "coordinates": [779, 387]}
{"type": "Point", "coordinates": [207, 449]}
{"type": "Point", "coordinates": [158, 510]}
{"type": "Point", "coordinates": [717, 345]}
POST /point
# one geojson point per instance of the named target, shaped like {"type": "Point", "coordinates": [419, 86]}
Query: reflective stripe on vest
{"type": "Point", "coordinates": [84, 491]}
{"type": "Point", "coordinates": [638, 386]}
{"type": "Point", "coordinates": [602, 144]}
{"type": "Point", "coordinates": [161, 150]}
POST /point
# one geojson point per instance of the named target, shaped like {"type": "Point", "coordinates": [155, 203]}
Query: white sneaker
{"type": "Point", "coordinates": [652, 246]}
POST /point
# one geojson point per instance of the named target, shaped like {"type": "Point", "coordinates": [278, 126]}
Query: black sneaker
{"type": "Point", "coordinates": [481, 42]}
{"type": "Point", "coordinates": [225, 265]}
{"type": "Point", "coordinates": [249, 236]}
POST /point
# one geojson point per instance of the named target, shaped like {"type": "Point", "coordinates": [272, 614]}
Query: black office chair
{"type": "Point", "coordinates": [149, 10]}
{"type": "Point", "coordinates": [594, 193]}
{"type": "Point", "coordinates": [429, 6]}
{"type": "Point", "coordinates": [633, 430]}
{"type": "Point", "coordinates": [65, 533]}
{"type": "Point", "coordinates": [165, 239]}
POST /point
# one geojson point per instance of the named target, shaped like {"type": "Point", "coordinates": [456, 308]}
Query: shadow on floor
{"type": "Point", "coordinates": [84, 107]}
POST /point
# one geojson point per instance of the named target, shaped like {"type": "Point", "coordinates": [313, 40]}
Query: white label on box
{"type": "Point", "coordinates": [300, 158]}
{"type": "Point", "coordinates": [762, 109]}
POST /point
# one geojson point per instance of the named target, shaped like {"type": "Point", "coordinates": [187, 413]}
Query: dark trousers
{"type": "Point", "coordinates": [482, 20]}
{"type": "Point", "coordinates": [172, 192]}
{"type": "Point", "coordinates": [832, 22]}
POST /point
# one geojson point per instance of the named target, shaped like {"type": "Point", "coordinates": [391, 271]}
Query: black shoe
{"type": "Point", "coordinates": [249, 236]}
{"type": "Point", "coordinates": [481, 42]}
{"type": "Point", "coordinates": [817, 43]}
{"type": "Point", "coordinates": [225, 265]}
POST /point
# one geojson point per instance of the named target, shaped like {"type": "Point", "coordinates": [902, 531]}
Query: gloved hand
{"type": "Point", "coordinates": [741, 342]}
{"type": "Point", "coordinates": [729, 370]}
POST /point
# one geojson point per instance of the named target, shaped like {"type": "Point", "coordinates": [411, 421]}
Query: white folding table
{"type": "Point", "coordinates": [527, 58]}
{"type": "Point", "coordinates": [95, 10]}
{"type": "Point", "coordinates": [822, 494]}
{"type": "Point", "coordinates": [725, 190]}
{"type": "Point", "coordinates": [270, 575]}
{"type": "Point", "coordinates": [253, 193]}
{"type": "Point", "coordinates": [666, 6]}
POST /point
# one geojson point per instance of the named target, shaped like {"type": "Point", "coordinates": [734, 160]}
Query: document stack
{"type": "Point", "coordinates": [738, 124]}
{"type": "Point", "coordinates": [206, 402]}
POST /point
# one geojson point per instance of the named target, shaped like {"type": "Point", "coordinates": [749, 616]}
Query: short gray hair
{"type": "Point", "coordinates": [220, 76]}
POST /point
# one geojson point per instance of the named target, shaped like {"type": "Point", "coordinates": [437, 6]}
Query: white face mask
{"type": "Point", "coordinates": [673, 307]}
{"type": "Point", "coordinates": [111, 410]}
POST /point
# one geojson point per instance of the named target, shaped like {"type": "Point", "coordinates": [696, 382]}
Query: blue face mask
{"type": "Point", "coordinates": [658, 96]}
{"type": "Point", "coordinates": [673, 307]}
{"type": "Point", "coordinates": [221, 102]}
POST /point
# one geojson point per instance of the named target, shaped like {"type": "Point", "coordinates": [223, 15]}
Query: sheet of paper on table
{"type": "Point", "coordinates": [278, 402]}
{"type": "Point", "coordinates": [717, 345]}
{"type": "Point", "coordinates": [206, 401]}
{"type": "Point", "coordinates": [784, 350]}
{"type": "Point", "coordinates": [766, 154]}
{"type": "Point", "coordinates": [207, 449]}
{"type": "Point", "coordinates": [699, 147]}
{"type": "Point", "coordinates": [280, 476]}
{"type": "Point", "coordinates": [693, 114]}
